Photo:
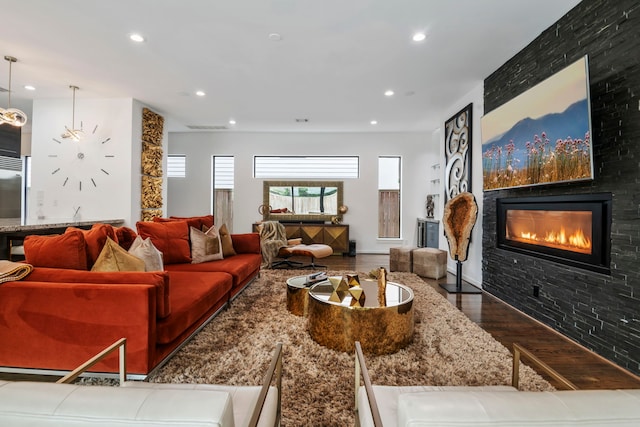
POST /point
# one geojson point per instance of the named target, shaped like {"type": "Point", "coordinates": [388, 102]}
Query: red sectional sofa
{"type": "Point", "coordinates": [56, 318]}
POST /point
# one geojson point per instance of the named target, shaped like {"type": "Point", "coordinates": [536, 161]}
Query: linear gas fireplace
{"type": "Point", "coordinates": [573, 229]}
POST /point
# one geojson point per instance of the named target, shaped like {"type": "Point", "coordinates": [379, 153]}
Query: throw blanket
{"type": "Point", "coordinates": [10, 271]}
{"type": "Point", "coordinates": [273, 236]}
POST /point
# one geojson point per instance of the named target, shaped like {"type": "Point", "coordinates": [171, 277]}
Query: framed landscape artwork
{"type": "Point", "coordinates": [457, 151]}
{"type": "Point", "coordinates": [542, 136]}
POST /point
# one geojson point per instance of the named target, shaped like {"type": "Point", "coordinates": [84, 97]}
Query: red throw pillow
{"type": "Point", "coordinates": [161, 219]}
{"type": "Point", "coordinates": [193, 221]}
{"type": "Point", "coordinates": [125, 236]}
{"type": "Point", "coordinates": [95, 240]}
{"type": "Point", "coordinates": [66, 250]}
{"type": "Point", "coordinates": [196, 221]}
{"type": "Point", "coordinates": [171, 238]}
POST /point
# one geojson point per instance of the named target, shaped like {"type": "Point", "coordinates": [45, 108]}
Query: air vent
{"type": "Point", "coordinates": [207, 127]}
{"type": "Point", "coordinates": [302, 120]}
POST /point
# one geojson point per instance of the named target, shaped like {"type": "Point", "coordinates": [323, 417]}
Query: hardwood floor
{"type": "Point", "coordinates": [584, 368]}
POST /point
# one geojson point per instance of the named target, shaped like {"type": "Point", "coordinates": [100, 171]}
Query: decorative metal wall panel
{"type": "Point", "coordinates": [457, 147]}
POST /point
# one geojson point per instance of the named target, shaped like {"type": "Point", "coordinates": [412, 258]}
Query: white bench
{"type": "Point", "coordinates": [426, 406]}
{"type": "Point", "coordinates": [134, 403]}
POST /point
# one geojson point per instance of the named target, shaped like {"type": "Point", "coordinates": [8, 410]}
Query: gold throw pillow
{"type": "Point", "coordinates": [114, 258]}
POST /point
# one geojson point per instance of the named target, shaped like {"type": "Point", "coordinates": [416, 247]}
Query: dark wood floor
{"type": "Point", "coordinates": [508, 325]}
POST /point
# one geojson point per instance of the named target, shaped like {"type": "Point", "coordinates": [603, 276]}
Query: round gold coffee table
{"type": "Point", "coordinates": [380, 329]}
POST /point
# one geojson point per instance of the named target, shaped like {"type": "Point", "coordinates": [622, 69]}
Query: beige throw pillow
{"type": "Point", "coordinates": [114, 258]}
{"type": "Point", "coordinates": [205, 245]}
{"type": "Point", "coordinates": [144, 249]}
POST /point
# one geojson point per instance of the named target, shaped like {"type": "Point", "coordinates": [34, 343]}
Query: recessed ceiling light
{"type": "Point", "coordinates": [29, 87]}
{"type": "Point", "coordinates": [200, 93]}
{"type": "Point", "coordinates": [374, 122]}
{"type": "Point", "coordinates": [388, 93]}
{"type": "Point", "coordinates": [418, 37]}
{"type": "Point", "coordinates": [275, 37]}
{"type": "Point", "coordinates": [136, 38]}
{"type": "Point", "coordinates": [232, 122]}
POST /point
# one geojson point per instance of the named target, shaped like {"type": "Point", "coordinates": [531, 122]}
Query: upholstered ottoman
{"type": "Point", "coordinates": [401, 258]}
{"type": "Point", "coordinates": [430, 262]}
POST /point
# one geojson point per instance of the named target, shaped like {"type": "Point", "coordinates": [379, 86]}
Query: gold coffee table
{"type": "Point", "coordinates": [380, 330]}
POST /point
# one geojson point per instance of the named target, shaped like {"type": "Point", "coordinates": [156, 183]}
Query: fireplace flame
{"type": "Point", "coordinates": [577, 240]}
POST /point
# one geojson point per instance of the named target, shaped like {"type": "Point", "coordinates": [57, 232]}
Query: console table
{"type": "Point", "coordinates": [334, 235]}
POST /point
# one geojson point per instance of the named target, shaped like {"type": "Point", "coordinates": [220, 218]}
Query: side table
{"type": "Point", "coordinates": [297, 295]}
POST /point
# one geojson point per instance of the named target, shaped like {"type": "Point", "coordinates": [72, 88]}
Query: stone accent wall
{"type": "Point", "coordinates": [601, 312]}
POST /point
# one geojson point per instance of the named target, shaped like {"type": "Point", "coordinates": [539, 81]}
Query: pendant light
{"type": "Point", "coordinates": [12, 116]}
{"type": "Point", "coordinates": [73, 133]}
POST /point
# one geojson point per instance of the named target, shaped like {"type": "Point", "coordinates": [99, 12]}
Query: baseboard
{"type": "Point", "coordinates": [466, 278]}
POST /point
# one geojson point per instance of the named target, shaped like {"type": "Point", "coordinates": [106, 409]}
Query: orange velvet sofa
{"type": "Point", "coordinates": [56, 318]}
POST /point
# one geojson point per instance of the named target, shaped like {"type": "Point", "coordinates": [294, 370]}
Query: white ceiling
{"type": "Point", "coordinates": [334, 61]}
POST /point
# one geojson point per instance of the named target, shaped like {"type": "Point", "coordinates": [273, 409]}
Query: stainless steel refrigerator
{"type": "Point", "coordinates": [11, 188]}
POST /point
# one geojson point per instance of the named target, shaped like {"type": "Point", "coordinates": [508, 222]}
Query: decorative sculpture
{"type": "Point", "coordinates": [382, 287]}
{"type": "Point", "coordinates": [430, 206]}
{"type": "Point", "coordinates": [340, 289]}
{"type": "Point", "coordinates": [460, 214]}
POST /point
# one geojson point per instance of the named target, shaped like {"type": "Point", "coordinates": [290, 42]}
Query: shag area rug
{"type": "Point", "coordinates": [317, 385]}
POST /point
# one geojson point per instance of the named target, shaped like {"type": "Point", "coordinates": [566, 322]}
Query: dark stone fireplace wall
{"type": "Point", "coordinates": [601, 312]}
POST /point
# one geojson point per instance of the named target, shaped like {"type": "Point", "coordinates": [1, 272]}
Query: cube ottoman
{"type": "Point", "coordinates": [401, 258]}
{"type": "Point", "coordinates": [430, 262]}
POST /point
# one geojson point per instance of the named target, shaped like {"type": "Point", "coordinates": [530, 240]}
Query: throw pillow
{"type": "Point", "coordinates": [95, 239]}
{"type": "Point", "coordinates": [114, 258]}
{"type": "Point", "coordinates": [66, 250]}
{"type": "Point", "coordinates": [171, 238]}
{"type": "Point", "coordinates": [227, 243]}
{"type": "Point", "coordinates": [144, 249]}
{"type": "Point", "coordinates": [205, 245]}
{"type": "Point", "coordinates": [196, 221]}
{"type": "Point", "coordinates": [192, 221]}
{"type": "Point", "coordinates": [125, 237]}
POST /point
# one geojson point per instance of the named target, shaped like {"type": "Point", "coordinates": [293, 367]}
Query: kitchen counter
{"type": "Point", "coordinates": [11, 231]}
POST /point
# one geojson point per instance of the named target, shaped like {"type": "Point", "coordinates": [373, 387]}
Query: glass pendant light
{"type": "Point", "coordinates": [12, 116]}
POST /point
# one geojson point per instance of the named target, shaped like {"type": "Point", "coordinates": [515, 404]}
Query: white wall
{"type": "Point", "coordinates": [114, 195]}
{"type": "Point", "coordinates": [192, 195]}
{"type": "Point", "coordinates": [472, 267]}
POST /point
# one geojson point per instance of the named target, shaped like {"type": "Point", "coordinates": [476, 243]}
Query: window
{"type": "Point", "coordinates": [176, 166]}
{"type": "Point", "coordinates": [222, 200]}
{"type": "Point", "coordinates": [306, 167]}
{"type": "Point", "coordinates": [389, 197]}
